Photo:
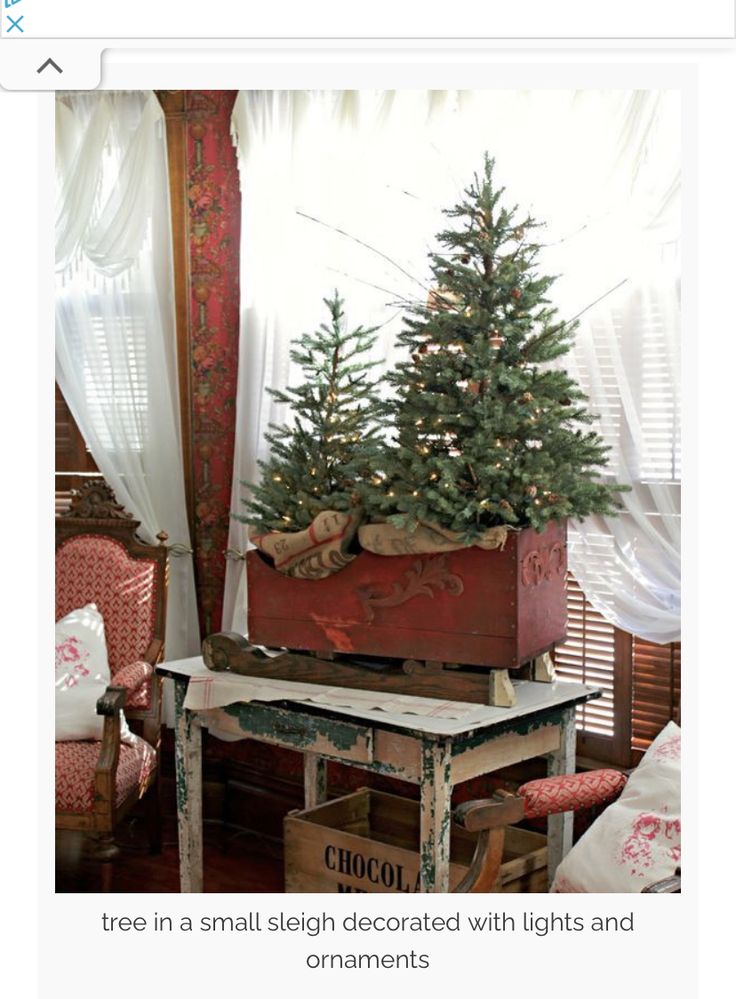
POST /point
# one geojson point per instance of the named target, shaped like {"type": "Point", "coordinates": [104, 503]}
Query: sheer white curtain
{"type": "Point", "coordinates": [115, 334]}
{"type": "Point", "coordinates": [345, 189]}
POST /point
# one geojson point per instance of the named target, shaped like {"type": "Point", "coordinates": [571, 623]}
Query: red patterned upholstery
{"type": "Point", "coordinates": [136, 678]}
{"type": "Point", "coordinates": [75, 773]}
{"type": "Point", "coordinates": [550, 795]}
{"type": "Point", "coordinates": [94, 569]}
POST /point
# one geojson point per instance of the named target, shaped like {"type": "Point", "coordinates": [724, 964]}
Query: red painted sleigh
{"type": "Point", "coordinates": [418, 616]}
{"type": "Point", "coordinates": [497, 609]}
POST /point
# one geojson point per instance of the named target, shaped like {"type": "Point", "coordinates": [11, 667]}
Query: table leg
{"type": "Point", "coordinates": [559, 827]}
{"type": "Point", "coordinates": [315, 780]}
{"type": "Point", "coordinates": [435, 818]}
{"type": "Point", "coordinates": [188, 755]}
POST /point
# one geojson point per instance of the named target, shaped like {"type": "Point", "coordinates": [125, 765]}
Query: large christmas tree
{"type": "Point", "coordinates": [322, 460]}
{"type": "Point", "coordinates": [487, 431]}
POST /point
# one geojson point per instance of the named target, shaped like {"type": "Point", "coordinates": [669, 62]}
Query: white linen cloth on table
{"type": "Point", "coordinates": [217, 690]}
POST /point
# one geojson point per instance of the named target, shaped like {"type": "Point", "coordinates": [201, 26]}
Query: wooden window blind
{"type": "Point", "coordinates": [656, 690]}
{"type": "Point", "coordinates": [655, 387]}
{"type": "Point", "coordinates": [73, 461]}
{"type": "Point", "coordinates": [117, 388]}
{"type": "Point", "coordinates": [640, 680]}
{"type": "Point", "coordinates": [640, 683]}
{"type": "Point", "coordinates": [590, 655]}
{"type": "Point", "coordinates": [651, 384]}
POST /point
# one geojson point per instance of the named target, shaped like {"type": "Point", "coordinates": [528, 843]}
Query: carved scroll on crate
{"type": "Point", "coordinates": [425, 577]}
{"type": "Point", "coordinates": [543, 563]}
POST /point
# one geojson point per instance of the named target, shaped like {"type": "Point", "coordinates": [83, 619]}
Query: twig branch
{"type": "Point", "coordinates": [362, 242]}
{"type": "Point", "coordinates": [368, 284]}
{"type": "Point", "coordinates": [599, 299]}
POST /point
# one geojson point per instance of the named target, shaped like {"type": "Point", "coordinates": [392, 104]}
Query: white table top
{"type": "Point", "coordinates": [531, 697]}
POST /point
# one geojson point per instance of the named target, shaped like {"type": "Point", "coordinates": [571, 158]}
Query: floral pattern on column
{"type": "Point", "coordinates": [214, 250]}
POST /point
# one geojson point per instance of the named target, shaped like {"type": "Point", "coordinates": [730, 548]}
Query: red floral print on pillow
{"type": "Point", "coordinates": [637, 847]}
{"type": "Point", "coordinates": [646, 829]}
{"type": "Point", "coordinates": [672, 831]}
{"type": "Point", "coordinates": [70, 659]}
{"type": "Point", "coordinates": [670, 749]}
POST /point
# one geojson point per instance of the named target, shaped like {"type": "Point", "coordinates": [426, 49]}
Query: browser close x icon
{"type": "Point", "coordinates": [14, 20]}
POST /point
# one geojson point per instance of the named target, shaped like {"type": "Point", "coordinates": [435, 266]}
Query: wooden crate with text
{"type": "Point", "coordinates": [368, 842]}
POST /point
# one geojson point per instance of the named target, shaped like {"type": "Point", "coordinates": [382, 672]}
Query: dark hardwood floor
{"type": "Point", "coordinates": [234, 860]}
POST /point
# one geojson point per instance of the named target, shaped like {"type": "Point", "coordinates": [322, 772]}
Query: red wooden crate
{"type": "Point", "coordinates": [473, 607]}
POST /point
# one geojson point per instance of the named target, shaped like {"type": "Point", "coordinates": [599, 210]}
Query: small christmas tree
{"type": "Point", "coordinates": [487, 432]}
{"type": "Point", "coordinates": [322, 462]}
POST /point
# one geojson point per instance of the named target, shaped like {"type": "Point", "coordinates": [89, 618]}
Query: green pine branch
{"type": "Point", "coordinates": [326, 458]}
{"type": "Point", "coordinates": [485, 432]}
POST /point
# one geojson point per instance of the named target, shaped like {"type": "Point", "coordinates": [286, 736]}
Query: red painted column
{"type": "Point", "coordinates": [213, 198]}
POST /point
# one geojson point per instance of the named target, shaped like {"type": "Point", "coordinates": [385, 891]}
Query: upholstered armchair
{"type": "Point", "coordinates": [100, 560]}
{"type": "Point", "coordinates": [536, 799]}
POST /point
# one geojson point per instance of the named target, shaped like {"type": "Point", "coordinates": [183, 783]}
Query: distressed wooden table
{"type": "Point", "coordinates": [435, 753]}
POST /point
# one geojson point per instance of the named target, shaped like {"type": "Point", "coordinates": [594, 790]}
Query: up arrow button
{"type": "Point", "coordinates": [30, 67]}
{"type": "Point", "coordinates": [49, 62]}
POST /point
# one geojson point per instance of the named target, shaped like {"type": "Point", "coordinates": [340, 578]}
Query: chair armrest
{"type": "Point", "coordinates": [489, 818]}
{"type": "Point", "coordinates": [109, 706]}
{"type": "Point", "coordinates": [539, 798]}
{"type": "Point", "coordinates": [569, 792]}
{"type": "Point", "coordinates": [489, 813]}
{"type": "Point", "coordinates": [112, 701]}
{"type": "Point", "coordinates": [133, 676]}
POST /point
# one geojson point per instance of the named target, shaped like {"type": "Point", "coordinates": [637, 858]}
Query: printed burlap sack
{"type": "Point", "coordinates": [316, 552]}
{"type": "Point", "coordinates": [384, 539]}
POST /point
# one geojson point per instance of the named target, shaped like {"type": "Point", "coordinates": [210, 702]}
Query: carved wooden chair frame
{"type": "Point", "coordinates": [95, 511]}
{"type": "Point", "coordinates": [489, 818]}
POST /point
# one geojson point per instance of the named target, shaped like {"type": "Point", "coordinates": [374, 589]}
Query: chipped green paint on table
{"type": "Point", "coordinates": [434, 753]}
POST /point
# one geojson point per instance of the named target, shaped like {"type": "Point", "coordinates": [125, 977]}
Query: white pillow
{"type": "Point", "coordinates": [636, 840]}
{"type": "Point", "coordinates": [82, 676]}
